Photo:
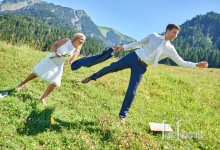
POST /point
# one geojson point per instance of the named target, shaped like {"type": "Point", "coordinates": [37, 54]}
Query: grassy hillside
{"type": "Point", "coordinates": [86, 115]}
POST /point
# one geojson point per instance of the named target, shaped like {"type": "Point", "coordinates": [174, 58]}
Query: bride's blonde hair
{"type": "Point", "coordinates": [79, 36]}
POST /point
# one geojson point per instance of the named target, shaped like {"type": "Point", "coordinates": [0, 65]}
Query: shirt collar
{"type": "Point", "coordinates": [163, 38]}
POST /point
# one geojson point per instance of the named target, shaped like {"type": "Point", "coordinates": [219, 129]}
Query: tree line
{"type": "Point", "coordinates": [199, 38]}
{"type": "Point", "coordinates": [39, 35]}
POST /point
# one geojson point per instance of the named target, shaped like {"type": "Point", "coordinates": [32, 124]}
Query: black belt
{"type": "Point", "coordinates": [143, 63]}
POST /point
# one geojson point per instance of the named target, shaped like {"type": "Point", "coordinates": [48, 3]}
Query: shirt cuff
{"type": "Point", "coordinates": [125, 47]}
{"type": "Point", "coordinates": [195, 64]}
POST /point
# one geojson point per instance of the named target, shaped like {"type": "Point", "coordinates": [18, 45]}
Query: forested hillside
{"type": "Point", "coordinates": [61, 17]}
{"type": "Point", "coordinates": [199, 39]}
{"type": "Point", "coordinates": [25, 30]}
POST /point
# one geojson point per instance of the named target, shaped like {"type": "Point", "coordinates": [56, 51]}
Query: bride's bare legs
{"type": "Point", "coordinates": [50, 88]}
{"type": "Point", "coordinates": [30, 77]}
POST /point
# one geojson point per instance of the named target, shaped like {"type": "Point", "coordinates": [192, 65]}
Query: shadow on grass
{"type": "Point", "coordinates": [39, 122]}
{"type": "Point", "coordinates": [14, 92]}
{"type": "Point", "coordinates": [22, 97]}
{"type": "Point", "coordinates": [11, 91]}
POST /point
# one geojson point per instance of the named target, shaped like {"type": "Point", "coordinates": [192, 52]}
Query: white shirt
{"type": "Point", "coordinates": [147, 50]}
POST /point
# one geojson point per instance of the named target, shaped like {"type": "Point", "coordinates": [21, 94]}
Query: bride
{"type": "Point", "coordinates": [50, 68]}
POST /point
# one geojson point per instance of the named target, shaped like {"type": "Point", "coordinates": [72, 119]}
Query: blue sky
{"type": "Point", "coordinates": [138, 18]}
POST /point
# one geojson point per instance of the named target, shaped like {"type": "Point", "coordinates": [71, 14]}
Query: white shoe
{"type": "Point", "coordinates": [122, 121]}
{"type": "Point", "coordinates": [3, 94]}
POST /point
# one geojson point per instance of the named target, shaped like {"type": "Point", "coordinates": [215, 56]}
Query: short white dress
{"type": "Point", "coordinates": [51, 70]}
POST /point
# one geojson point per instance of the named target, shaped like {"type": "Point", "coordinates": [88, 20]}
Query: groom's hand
{"type": "Point", "coordinates": [202, 64]}
{"type": "Point", "coordinates": [117, 48]}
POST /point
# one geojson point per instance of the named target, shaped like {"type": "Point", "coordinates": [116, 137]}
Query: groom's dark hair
{"type": "Point", "coordinates": [171, 26]}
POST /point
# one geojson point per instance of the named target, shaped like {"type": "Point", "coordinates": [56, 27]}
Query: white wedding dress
{"type": "Point", "coordinates": [51, 70]}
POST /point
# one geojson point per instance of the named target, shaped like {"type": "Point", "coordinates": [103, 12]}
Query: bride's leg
{"type": "Point", "coordinates": [50, 88]}
{"type": "Point", "coordinates": [30, 77]}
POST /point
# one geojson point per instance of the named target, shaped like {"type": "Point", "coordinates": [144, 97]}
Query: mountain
{"type": "Point", "coordinates": [63, 17]}
{"type": "Point", "coordinates": [114, 36]}
{"type": "Point", "coordinates": [199, 39]}
{"type": "Point", "coordinates": [22, 30]}
{"type": "Point", "coordinates": [207, 25]}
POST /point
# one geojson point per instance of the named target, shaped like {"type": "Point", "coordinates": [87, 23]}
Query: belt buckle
{"type": "Point", "coordinates": [143, 63]}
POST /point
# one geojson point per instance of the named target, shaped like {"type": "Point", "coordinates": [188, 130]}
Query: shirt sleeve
{"type": "Point", "coordinates": [179, 61]}
{"type": "Point", "coordinates": [137, 44]}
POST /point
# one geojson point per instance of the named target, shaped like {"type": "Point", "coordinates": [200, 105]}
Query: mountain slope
{"type": "Point", "coordinates": [199, 39]}
{"type": "Point", "coordinates": [26, 30]}
{"type": "Point", "coordinates": [16, 4]}
{"type": "Point", "coordinates": [114, 36]}
{"type": "Point", "coordinates": [207, 25]}
{"type": "Point", "coordinates": [76, 19]}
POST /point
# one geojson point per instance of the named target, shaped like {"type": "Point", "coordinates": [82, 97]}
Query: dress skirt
{"type": "Point", "coordinates": [50, 70]}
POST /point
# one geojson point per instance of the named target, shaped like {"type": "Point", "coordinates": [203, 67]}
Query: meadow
{"type": "Point", "coordinates": [85, 116]}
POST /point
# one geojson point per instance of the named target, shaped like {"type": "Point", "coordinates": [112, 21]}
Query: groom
{"type": "Point", "coordinates": [149, 51]}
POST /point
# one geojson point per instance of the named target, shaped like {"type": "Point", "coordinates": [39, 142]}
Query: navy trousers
{"type": "Point", "coordinates": [137, 71]}
{"type": "Point", "coordinates": [92, 60]}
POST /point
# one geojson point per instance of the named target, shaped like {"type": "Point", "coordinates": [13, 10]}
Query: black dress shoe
{"type": "Point", "coordinates": [86, 80]}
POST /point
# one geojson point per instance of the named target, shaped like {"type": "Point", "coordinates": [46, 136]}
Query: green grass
{"type": "Point", "coordinates": [86, 115]}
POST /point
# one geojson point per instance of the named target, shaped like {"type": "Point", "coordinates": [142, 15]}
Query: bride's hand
{"type": "Point", "coordinates": [70, 63]}
{"type": "Point", "coordinates": [57, 55]}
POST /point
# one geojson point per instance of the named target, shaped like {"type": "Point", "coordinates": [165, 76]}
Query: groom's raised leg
{"type": "Point", "coordinates": [86, 80]}
{"type": "Point", "coordinates": [121, 64]}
